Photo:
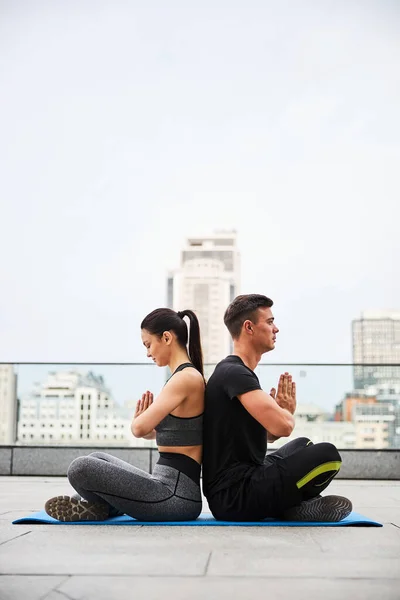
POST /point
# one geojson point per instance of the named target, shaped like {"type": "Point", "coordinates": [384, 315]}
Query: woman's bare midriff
{"type": "Point", "coordinates": [194, 452]}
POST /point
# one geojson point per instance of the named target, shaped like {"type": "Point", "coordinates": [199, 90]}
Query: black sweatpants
{"type": "Point", "coordinates": [298, 471]}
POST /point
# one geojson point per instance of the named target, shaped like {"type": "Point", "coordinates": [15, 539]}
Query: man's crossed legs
{"type": "Point", "coordinates": [287, 486]}
{"type": "Point", "coordinates": [313, 466]}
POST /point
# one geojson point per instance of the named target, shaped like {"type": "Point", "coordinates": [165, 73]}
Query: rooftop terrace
{"type": "Point", "coordinates": [47, 562]}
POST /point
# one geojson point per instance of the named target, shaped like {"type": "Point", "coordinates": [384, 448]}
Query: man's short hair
{"type": "Point", "coordinates": [242, 308]}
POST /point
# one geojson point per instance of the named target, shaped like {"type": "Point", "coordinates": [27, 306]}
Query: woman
{"type": "Point", "coordinates": [108, 486]}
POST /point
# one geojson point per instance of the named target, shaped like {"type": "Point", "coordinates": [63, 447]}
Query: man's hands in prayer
{"type": "Point", "coordinates": [286, 396]}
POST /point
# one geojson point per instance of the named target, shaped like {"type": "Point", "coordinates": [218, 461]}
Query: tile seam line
{"type": "Point", "coordinates": [200, 576]}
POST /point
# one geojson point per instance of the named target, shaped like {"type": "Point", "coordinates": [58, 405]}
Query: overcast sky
{"type": "Point", "coordinates": [127, 126]}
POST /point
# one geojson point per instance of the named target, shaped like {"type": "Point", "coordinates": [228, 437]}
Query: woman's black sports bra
{"type": "Point", "coordinates": [180, 431]}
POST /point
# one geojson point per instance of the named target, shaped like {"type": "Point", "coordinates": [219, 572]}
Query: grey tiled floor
{"type": "Point", "coordinates": [45, 562]}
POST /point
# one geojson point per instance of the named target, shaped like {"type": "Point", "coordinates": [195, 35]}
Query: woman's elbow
{"type": "Point", "coordinates": [137, 430]}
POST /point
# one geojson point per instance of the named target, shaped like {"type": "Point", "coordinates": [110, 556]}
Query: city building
{"type": "Point", "coordinates": [312, 423]}
{"type": "Point", "coordinates": [206, 282]}
{"type": "Point", "coordinates": [344, 411]}
{"type": "Point", "coordinates": [74, 409]}
{"type": "Point", "coordinates": [8, 404]}
{"type": "Point", "coordinates": [375, 425]}
{"type": "Point", "coordinates": [376, 344]}
{"type": "Point", "coordinates": [376, 417]}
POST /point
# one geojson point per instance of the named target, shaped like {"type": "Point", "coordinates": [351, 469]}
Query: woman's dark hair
{"type": "Point", "coordinates": [243, 308]}
{"type": "Point", "coordinates": [165, 319]}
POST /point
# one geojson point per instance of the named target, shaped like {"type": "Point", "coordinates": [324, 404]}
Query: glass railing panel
{"type": "Point", "coordinates": [93, 404]}
{"type": "Point", "coordinates": [331, 409]}
{"type": "Point", "coordinates": [74, 404]}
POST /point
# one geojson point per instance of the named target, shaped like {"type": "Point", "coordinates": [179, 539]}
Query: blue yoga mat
{"type": "Point", "coordinates": [204, 519]}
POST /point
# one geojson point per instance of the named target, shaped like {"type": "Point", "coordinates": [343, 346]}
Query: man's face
{"type": "Point", "coordinates": [264, 330]}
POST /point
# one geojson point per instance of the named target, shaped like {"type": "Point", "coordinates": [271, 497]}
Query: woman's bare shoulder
{"type": "Point", "coordinates": [191, 377]}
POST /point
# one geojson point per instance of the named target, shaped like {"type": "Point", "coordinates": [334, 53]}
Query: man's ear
{"type": "Point", "coordinates": [248, 325]}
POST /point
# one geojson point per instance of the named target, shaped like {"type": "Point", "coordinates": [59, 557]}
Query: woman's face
{"type": "Point", "coordinates": [158, 348]}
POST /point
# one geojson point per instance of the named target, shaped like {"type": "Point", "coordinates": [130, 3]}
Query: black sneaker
{"type": "Point", "coordinates": [330, 509]}
{"type": "Point", "coordinates": [65, 508]}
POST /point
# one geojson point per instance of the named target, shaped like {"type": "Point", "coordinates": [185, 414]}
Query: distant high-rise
{"type": "Point", "coordinates": [8, 405]}
{"type": "Point", "coordinates": [206, 282]}
{"type": "Point", "coordinates": [376, 342]}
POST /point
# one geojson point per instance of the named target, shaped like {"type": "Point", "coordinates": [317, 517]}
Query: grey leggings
{"type": "Point", "coordinates": [170, 493]}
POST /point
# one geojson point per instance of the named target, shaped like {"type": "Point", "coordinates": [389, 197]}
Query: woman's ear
{"type": "Point", "coordinates": [167, 337]}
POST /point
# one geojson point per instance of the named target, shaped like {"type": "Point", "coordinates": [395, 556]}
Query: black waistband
{"type": "Point", "coordinates": [181, 462]}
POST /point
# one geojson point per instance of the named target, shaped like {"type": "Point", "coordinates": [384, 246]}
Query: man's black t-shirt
{"type": "Point", "coordinates": [233, 441]}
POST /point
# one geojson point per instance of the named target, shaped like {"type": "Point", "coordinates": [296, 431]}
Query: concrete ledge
{"type": "Point", "coordinates": [56, 460]}
{"type": "Point", "coordinates": [45, 460]}
{"type": "Point", "coordinates": [370, 464]}
{"type": "Point", "coordinates": [5, 460]}
{"type": "Point", "coordinates": [153, 458]}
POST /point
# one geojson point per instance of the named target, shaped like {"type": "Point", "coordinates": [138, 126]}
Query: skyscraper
{"type": "Point", "coordinates": [376, 342]}
{"type": "Point", "coordinates": [8, 404]}
{"type": "Point", "coordinates": [206, 282]}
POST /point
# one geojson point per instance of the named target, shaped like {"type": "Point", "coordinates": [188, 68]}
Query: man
{"type": "Point", "coordinates": [239, 481]}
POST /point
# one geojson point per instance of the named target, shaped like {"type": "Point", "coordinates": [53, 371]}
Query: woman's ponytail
{"type": "Point", "coordinates": [195, 351]}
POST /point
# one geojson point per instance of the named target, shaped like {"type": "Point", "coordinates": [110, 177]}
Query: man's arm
{"type": "Point", "coordinates": [275, 414]}
{"type": "Point", "coordinates": [276, 420]}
